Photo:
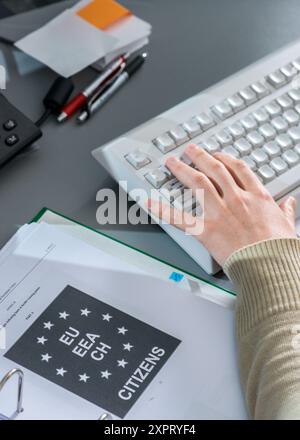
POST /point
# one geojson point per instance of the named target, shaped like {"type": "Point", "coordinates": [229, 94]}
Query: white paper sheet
{"type": "Point", "coordinates": [67, 44]}
{"type": "Point", "coordinates": [132, 34]}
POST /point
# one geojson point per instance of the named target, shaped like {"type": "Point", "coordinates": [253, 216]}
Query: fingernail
{"type": "Point", "coordinates": [171, 160]}
{"type": "Point", "coordinates": [191, 147]}
{"type": "Point", "coordinates": [291, 201]}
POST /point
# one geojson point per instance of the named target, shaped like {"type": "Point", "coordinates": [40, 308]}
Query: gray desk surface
{"type": "Point", "coordinates": [195, 43]}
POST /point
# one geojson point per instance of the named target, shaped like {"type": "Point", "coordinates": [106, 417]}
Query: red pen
{"type": "Point", "coordinates": [82, 98]}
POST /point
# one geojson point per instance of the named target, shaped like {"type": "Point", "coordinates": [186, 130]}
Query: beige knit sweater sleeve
{"type": "Point", "coordinates": [267, 278]}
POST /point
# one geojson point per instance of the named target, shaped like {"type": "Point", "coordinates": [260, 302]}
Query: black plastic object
{"type": "Point", "coordinates": [58, 94]}
{"type": "Point", "coordinates": [135, 64]}
{"type": "Point", "coordinates": [56, 98]}
{"type": "Point", "coordinates": [16, 130]}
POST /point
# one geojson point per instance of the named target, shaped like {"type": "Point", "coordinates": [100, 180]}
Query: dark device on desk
{"type": "Point", "coordinates": [16, 130]}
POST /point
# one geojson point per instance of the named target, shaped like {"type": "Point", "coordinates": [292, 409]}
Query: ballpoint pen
{"type": "Point", "coordinates": [96, 104]}
{"type": "Point", "coordinates": [82, 98]}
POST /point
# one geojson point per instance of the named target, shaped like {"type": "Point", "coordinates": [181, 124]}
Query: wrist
{"type": "Point", "coordinates": [267, 277]}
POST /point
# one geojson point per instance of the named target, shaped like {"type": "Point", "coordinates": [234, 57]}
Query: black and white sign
{"type": "Point", "coordinates": [94, 350]}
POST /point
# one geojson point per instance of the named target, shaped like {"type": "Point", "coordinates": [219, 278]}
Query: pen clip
{"type": "Point", "coordinates": [110, 81]}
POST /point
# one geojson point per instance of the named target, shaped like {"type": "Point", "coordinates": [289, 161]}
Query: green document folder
{"type": "Point", "coordinates": [154, 266]}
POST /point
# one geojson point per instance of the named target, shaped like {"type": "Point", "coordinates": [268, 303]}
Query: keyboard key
{"type": "Point", "coordinates": [171, 190]}
{"type": "Point", "coordinates": [259, 156]}
{"type": "Point", "coordinates": [185, 202]}
{"type": "Point", "coordinates": [236, 102]}
{"type": "Point", "coordinates": [296, 63]}
{"type": "Point", "coordinates": [197, 211]}
{"type": "Point", "coordinates": [280, 124]}
{"type": "Point", "coordinates": [285, 102]}
{"type": "Point", "coordinates": [12, 140]}
{"type": "Point", "coordinates": [266, 173]}
{"type": "Point", "coordinates": [236, 130]}
{"type": "Point", "coordinates": [166, 171]}
{"type": "Point", "coordinates": [260, 89]}
{"type": "Point", "coordinates": [268, 132]}
{"type": "Point", "coordinates": [157, 178]}
{"type": "Point", "coordinates": [185, 159]}
{"type": "Point", "coordinates": [249, 123]}
{"type": "Point", "coordinates": [291, 158]}
{"type": "Point", "coordinates": [224, 138]}
{"type": "Point", "coordinates": [189, 204]}
{"type": "Point", "coordinates": [297, 149]}
{"type": "Point", "coordinates": [250, 162]}
{"type": "Point", "coordinates": [243, 146]}
{"type": "Point", "coordinates": [232, 151]}
{"type": "Point", "coordinates": [284, 142]}
{"type": "Point", "coordinates": [276, 79]}
{"type": "Point", "coordinates": [255, 139]}
{"type": "Point", "coordinates": [248, 95]}
{"type": "Point", "coordinates": [211, 145]}
{"type": "Point", "coordinates": [272, 149]}
{"type": "Point", "coordinates": [261, 115]}
{"type": "Point", "coordinates": [278, 165]}
{"type": "Point", "coordinates": [164, 143]}
{"type": "Point", "coordinates": [291, 117]}
{"type": "Point", "coordinates": [273, 109]}
{"type": "Point", "coordinates": [223, 110]}
{"type": "Point", "coordinates": [289, 71]}
{"type": "Point", "coordinates": [185, 195]}
{"type": "Point", "coordinates": [294, 133]}
{"type": "Point", "coordinates": [137, 159]}
{"type": "Point", "coordinates": [205, 120]}
{"type": "Point", "coordinates": [192, 127]}
{"type": "Point", "coordinates": [9, 125]}
{"type": "Point", "coordinates": [295, 95]}
{"type": "Point", "coordinates": [179, 135]}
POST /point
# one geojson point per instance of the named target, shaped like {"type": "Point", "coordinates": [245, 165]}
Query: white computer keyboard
{"type": "Point", "coordinates": [253, 115]}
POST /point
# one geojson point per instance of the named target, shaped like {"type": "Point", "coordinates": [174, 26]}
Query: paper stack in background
{"type": "Point", "coordinates": [93, 32]}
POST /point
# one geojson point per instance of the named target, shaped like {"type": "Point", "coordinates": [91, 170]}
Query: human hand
{"type": "Point", "coordinates": [238, 210]}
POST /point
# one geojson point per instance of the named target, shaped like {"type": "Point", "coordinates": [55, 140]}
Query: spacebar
{"type": "Point", "coordinates": [285, 183]}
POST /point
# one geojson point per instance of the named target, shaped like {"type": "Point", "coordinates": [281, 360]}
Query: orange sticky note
{"type": "Point", "coordinates": [103, 13]}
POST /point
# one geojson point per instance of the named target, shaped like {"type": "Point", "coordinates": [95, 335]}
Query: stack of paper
{"type": "Point", "coordinates": [91, 32]}
{"type": "Point", "coordinates": [95, 336]}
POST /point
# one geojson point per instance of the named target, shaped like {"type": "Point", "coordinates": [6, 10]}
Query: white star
{"type": "Point", "coordinates": [60, 371]}
{"type": "Point", "coordinates": [107, 317]}
{"type": "Point", "coordinates": [48, 325]}
{"type": "Point", "coordinates": [122, 363]}
{"type": "Point", "coordinates": [127, 346]}
{"type": "Point", "coordinates": [85, 312]}
{"type": "Point", "coordinates": [105, 374]}
{"type": "Point", "coordinates": [83, 377]}
{"type": "Point", "coordinates": [63, 315]}
{"type": "Point", "coordinates": [42, 340]}
{"type": "Point", "coordinates": [46, 357]}
{"type": "Point", "coordinates": [122, 330]}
